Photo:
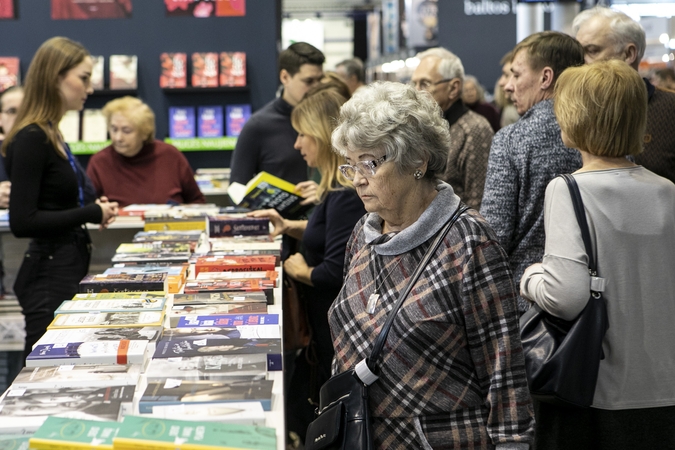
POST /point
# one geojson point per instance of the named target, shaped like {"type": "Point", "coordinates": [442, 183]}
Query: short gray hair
{"type": "Point", "coordinates": [450, 65]}
{"type": "Point", "coordinates": [407, 124]}
{"type": "Point", "coordinates": [480, 89]}
{"type": "Point", "coordinates": [353, 66]}
{"type": "Point", "coordinates": [624, 29]}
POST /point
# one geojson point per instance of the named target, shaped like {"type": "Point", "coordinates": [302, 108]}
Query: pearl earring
{"type": "Point", "coordinates": [418, 174]}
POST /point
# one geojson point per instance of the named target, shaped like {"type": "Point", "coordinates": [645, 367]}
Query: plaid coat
{"type": "Point", "coordinates": [452, 371]}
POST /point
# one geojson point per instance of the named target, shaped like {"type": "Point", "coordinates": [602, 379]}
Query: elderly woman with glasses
{"type": "Point", "coordinates": [451, 374]}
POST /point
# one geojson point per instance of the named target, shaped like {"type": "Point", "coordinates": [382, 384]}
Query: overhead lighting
{"type": "Point", "coordinates": [664, 38]}
{"type": "Point", "coordinates": [665, 58]}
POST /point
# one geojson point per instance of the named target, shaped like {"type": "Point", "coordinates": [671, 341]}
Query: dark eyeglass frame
{"type": "Point", "coordinates": [425, 85]}
{"type": "Point", "coordinates": [367, 169]}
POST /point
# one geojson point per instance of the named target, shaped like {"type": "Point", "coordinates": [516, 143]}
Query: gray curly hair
{"type": "Point", "coordinates": [407, 124]}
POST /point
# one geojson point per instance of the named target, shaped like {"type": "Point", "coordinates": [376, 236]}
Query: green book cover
{"type": "Point", "coordinates": [12, 442]}
{"type": "Point", "coordinates": [62, 433]}
{"type": "Point", "coordinates": [145, 433]}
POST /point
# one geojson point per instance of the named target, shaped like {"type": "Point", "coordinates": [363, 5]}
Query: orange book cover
{"type": "Point", "coordinates": [205, 69]}
{"type": "Point", "coordinates": [233, 69]}
{"type": "Point", "coordinates": [173, 71]}
{"type": "Point", "coordinates": [235, 263]}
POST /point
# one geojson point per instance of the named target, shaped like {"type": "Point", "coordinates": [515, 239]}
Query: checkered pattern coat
{"type": "Point", "coordinates": [452, 370]}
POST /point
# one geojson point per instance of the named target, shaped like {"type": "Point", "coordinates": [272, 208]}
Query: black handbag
{"type": "Point", "coordinates": [562, 358]}
{"type": "Point", "coordinates": [344, 419]}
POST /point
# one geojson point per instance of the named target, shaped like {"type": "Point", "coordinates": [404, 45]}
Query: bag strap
{"type": "Point", "coordinates": [364, 369]}
{"type": "Point", "coordinates": [580, 212]}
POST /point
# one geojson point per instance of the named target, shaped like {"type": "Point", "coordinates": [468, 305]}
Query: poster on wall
{"type": "Point", "coordinates": [91, 9]}
{"type": "Point", "coordinates": [7, 10]}
{"type": "Point", "coordinates": [205, 8]}
{"type": "Point", "coordinates": [422, 20]}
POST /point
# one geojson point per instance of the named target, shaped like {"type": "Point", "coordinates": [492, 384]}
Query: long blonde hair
{"type": "Point", "coordinates": [316, 116]}
{"type": "Point", "coordinates": [42, 102]}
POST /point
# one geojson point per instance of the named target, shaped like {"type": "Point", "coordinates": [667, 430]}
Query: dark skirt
{"type": "Point", "coordinates": [560, 428]}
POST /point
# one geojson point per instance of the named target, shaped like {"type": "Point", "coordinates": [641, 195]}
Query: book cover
{"type": "Point", "coordinates": [173, 70]}
{"type": "Point", "coordinates": [119, 295]}
{"type": "Point", "coordinates": [119, 305]}
{"type": "Point", "coordinates": [236, 117]}
{"type": "Point", "coordinates": [204, 69]}
{"type": "Point", "coordinates": [233, 389]}
{"type": "Point", "coordinates": [108, 320]}
{"type": "Point", "coordinates": [152, 258]}
{"type": "Point", "coordinates": [149, 433]}
{"type": "Point", "coordinates": [10, 72]}
{"type": "Point", "coordinates": [263, 285]}
{"type": "Point", "coordinates": [233, 69]}
{"type": "Point", "coordinates": [210, 121]}
{"type": "Point", "coordinates": [169, 235]}
{"type": "Point", "coordinates": [69, 126]}
{"type": "Point", "coordinates": [227, 320]}
{"type": "Point", "coordinates": [178, 311]}
{"type": "Point", "coordinates": [208, 367]}
{"type": "Point", "coordinates": [198, 335]}
{"type": "Point", "coordinates": [249, 413]}
{"type": "Point", "coordinates": [97, 79]}
{"type": "Point", "coordinates": [241, 243]}
{"type": "Point", "coordinates": [97, 352]}
{"type": "Point", "coordinates": [19, 442]}
{"type": "Point", "coordinates": [94, 126]}
{"type": "Point", "coordinates": [218, 297]}
{"type": "Point", "coordinates": [78, 375]}
{"type": "Point", "coordinates": [268, 275]}
{"type": "Point", "coordinates": [226, 226]}
{"type": "Point", "coordinates": [123, 72]}
{"type": "Point", "coordinates": [63, 433]}
{"type": "Point", "coordinates": [126, 282]}
{"type": "Point", "coordinates": [267, 191]}
{"type": "Point", "coordinates": [152, 247]}
{"type": "Point", "coordinates": [66, 335]}
{"type": "Point", "coordinates": [176, 274]}
{"type": "Point", "coordinates": [138, 209]}
{"type": "Point", "coordinates": [235, 263]}
{"type": "Point", "coordinates": [181, 122]}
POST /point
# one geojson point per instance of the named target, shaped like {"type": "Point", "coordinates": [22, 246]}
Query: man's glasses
{"type": "Point", "coordinates": [366, 168]}
{"type": "Point", "coordinates": [425, 85]}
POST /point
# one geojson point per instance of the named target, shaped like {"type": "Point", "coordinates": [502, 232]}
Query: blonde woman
{"type": "Point", "coordinates": [324, 238]}
{"type": "Point", "coordinates": [136, 167]}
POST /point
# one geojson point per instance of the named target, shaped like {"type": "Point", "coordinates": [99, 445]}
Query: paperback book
{"type": "Point", "coordinates": [181, 122]}
{"type": "Point", "coordinates": [120, 305]}
{"type": "Point", "coordinates": [96, 352]}
{"type": "Point", "coordinates": [15, 441]}
{"type": "Point", "coordinates": [210, 121]}
{"type": "Point", "coordinates": [245, 413]}
{"type": "Point", "coordinates": [198, 335]}
{"type": "Point", "coordinates": [108, 320]}
{"type": "Point", "coordinates": [175, 224]}
{"type": "Point", "coordinates": [62, 433]}
{"type": "Point", "coordinates": [169, 236]}
{"type": "Point", "coordinates": [68, 335]}
{"type": "Point", "coordinates": [151, 247]}
{"type": "Point", "coordinates": [236, 117]}
{"type": "Point", "coordinates": [123, 72]}
{"type": "Point", "coordinates": [149, 433]}
{"type": "Point", "coordinates": [228, 226]}
{"type": "Point", "coordinates": [267, 191]}
{"type": "Point", "coordinates": [208, 367]}
{"type": "Point", "coordinates": [120, 295]}
{"type": "Point", "coordinates": [217, 298]}
{"type": "Point", "coordinates": [69, 126]}
{"type": "Point", "coordinates": [267, 275]}
{"type": "Point", "coordinates": [178, 311]}
{"type": "Point", "coordinates": [125, 282]}
{"type": "Point", "coordinates": [233, 389]}
{"type": "Point", "coordinates": [173, 71]}
{"type": "Point", "coordinates": [235, 263]}
{"type": "Point", "coordinates": [52, 377]}
{"type": "Point", "coordinates": [160, 256]}
{"type": "Point", "coordinates": [10, 73]}
{"type": "Point", "coordinates": [231, 320]}
{"type": "Point", "coordinates": [233, 69]}
{"type": "Point", "coordinates": [176, 274]}
{"type": "Point", "coordinates": [250, 285]}
{"type": "Point", "coordinates": [94, 126]}
{"type": "Point", "coordinates": [204, 69]}
{"type": "Point", "coordinates": [97, 80]}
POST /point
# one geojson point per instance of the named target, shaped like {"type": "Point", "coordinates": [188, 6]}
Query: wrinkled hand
{"type": "Point", "coordinates": [307, 190]}
{"type": "Point", "coordinates": [278, 222]}
{"type": "Point", "coordinates": [296, 267]}
{"type": "Point", "coordinates": [109, 210]}
{"type": "Point", "coordinates": [5, 188]}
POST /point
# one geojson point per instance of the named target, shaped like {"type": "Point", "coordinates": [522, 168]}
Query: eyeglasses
{"type": "Point", "coordinates": [10, 111]}
{"type": "Point", "coordinates": [366, 168]}
{"type": "Point", "coordinates": [425, 85]}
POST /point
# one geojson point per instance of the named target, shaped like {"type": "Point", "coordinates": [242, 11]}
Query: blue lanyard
{"type": "Point", "coordinates": [71, 160]}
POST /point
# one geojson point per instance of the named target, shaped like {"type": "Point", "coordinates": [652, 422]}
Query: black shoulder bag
{"type": "Point", "coordinates": [562, 358]}
{"type": "Point", "coordinates": [344, 419]}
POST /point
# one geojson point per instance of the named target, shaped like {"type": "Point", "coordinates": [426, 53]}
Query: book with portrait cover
{"type": "Point", "coordinates": [267, 191]}
{"type": "Point", "coordinates": [181, 122]}
{"type": "Point", "coordinates": [218, 298]}
{"type": "Point", "coordinates": [108, 320]}
{"type": "Point", "coordinates": [207, 367]}
{"type": "Point", "coordinates": [151, 433]}
{"type": "Point", "coordinates": [96, 352]}
{"type": "Point", "coordinates": [231, 389]}
{"type": "Point", "coordinates": [210, 121]}
{"type": "Point", "coordinates": [204, 69]}
{"type": "Point", "coordinates": [125, 282]}
{"type": "Point", "coordinates": [62, 433]}
{"type": "Point", "coordinates": [228, 226]}
{"type": "Point", "coordinates": [236, 117]}
{"type": "Point", "coordinates": [233, 69]}
{"type": "Point", "coordinates": [123, 72]}
{"type": "Point", "coordinates": [78, 375]}
{"type": "Point", "coordinates": [235, 263]}
{"type": "Point", "coordinates": [67, 335]}
{"type": "Point", "coordinates": [173, 70]}
{"type": "Point", "coordinates": [10, 73]}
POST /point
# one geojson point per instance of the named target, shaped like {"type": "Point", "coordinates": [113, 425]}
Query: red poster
{"type": "Point", "coordinates": [7, 9]}
{"type": "Point", "coordinates": [91, 9]}
{"type": "Point", "coordinates": [205, 8]}
{"type": "Point", "coordinates": [9, 72]}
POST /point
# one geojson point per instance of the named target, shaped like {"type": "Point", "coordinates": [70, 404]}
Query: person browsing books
{"type": "Point", "coordinates": [324, 237]}
{"type": "Point", "coordinates": [47, 201]}
{"type": "Point", "coordinates": [136, 167]}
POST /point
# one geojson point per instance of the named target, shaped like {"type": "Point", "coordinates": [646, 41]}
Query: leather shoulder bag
{"type": "Point", "coordinates": [562, 358]}
{"type": "Point", "coordinates": [344, 419]}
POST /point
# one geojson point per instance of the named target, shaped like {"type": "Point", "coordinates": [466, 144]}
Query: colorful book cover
{"type": "Point", "coordinates": [120, 305]}
{"type": "Point", "coordinates": [233, 389]}
{"type": "Point", "coordinates": [151, 247]}
{"type": "Point", "coordinates": [263, 285]}
{"type": "Point", "coordinates": [175, 224]}
{"type": "Point", "coordinates": [78, 375]}
{"type": "Point", "coordinates": [119, 295]}
{"type": "Point", "coordinates": [178, 311]}
{"type": "Point", "coordinates": [218, 297]}
{"type": "Point", "coordinates": [123, 72]}
{"type": "Point", "coordinates": [176, 274]}
{"type": "Point", "coordinates": [267, 191]}
{"type": "Point", "coordinates": [66, 335]}
{"type": "Point", "coordinates": [10, 72]}
{"type": "Point", "coordinates": [63, 433]}
{"type": "Point", "coordinates": [97, 80]}
{"type": "Point", "coordinates": [198, 335]}
{"type": "Point", "coordinates": [108, 320]}
{"type": "Point", "coordinates": [173, 70]}
{"type": "Point", "coordinates": [210, 121]}
{"type": "Point", "coordinates": [245, 243]}
{"type": "Point", "coordinates": [181, 122]}
{"type": "Point", "coordinates": [249, 413]}
{"type": "Point", "coordinates": [263, 275]}
{"type": "Point", "coordinates": [125, 282]}
{"type": "Point", "coordinates": [208, 367]}
{"type": "Point", "coordinates": [152, 257]}
{"type": "Point", "coordinates": [19, 442]}
{"type": "Point", "coordinates": [233, 69]}
{"type": "Point", "coordinates": [97, 352]}
{"type": "Point", "coordinates": [204, 69]}
{"type": "Point", "coordinates": [227, 320]}
{"type": "Point", "coordinates": [146, 433]}
{"type": "Point", "coordinates": [235, 263]}
{"type": "Point", "coordinates": [150, 236]}
{"type": "Point", "coordinates": [227, 226]}
{"type": "Point", "coordinates": [236, 117]}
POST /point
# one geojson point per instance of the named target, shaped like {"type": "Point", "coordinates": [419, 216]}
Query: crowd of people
{"type": "Point", "coordinates": [386, 165]}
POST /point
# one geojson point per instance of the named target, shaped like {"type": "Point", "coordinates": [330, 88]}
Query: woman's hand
{"type": "Point", "coordinates": [5, 188]}
{"type": "Point", "coordinates": [307, 190]}
{"type": "Point", "coordinates": [109, 210]}
{"type": "Point", "coordinates": [296, 267]}
{"type": "Point", "coordinates": [537, 268]}
{"type": "Point", "coordinates": [279, 223]}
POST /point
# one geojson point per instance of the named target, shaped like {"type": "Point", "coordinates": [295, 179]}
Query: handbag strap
{"type": "Point", "coordinates": [579, 211]}
{"type": "Point", "coordinates": [364, 369]}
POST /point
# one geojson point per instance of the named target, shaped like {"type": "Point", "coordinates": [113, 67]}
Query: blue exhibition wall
{"type": "Point", "coordinates": [147, 34]}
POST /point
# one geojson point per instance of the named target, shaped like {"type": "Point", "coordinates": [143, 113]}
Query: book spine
{"type": "Point", "coordinates": [93, 287]}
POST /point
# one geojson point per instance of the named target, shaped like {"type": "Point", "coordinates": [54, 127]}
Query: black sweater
{"type": "Point", "coordinates": [43, 202]}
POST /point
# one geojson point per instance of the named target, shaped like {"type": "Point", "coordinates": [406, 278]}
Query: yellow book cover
{"type": "Point", "coordinates": [267, 191]}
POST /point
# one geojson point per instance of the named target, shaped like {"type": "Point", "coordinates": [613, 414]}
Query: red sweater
{"type": "Point", "coordinates": [159, 173]}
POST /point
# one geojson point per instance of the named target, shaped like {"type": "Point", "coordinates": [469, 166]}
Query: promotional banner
{"type": "Point", "coordinates": [205, 8]}
{"type": "Point", "coordinates": [90, 9]}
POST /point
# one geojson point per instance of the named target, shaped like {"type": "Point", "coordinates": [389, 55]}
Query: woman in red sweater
{"type": "Point", "coordinates": [137, 168]}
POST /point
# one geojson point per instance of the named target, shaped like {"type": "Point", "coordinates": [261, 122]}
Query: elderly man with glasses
{"type": "Point", "coordinates": [441, 74]}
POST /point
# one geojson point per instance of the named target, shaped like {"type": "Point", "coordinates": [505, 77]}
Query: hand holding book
{"type": "Point", "coordinates": [293, 228]}
{"type": "Point", "coordinates": [307, 190]}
